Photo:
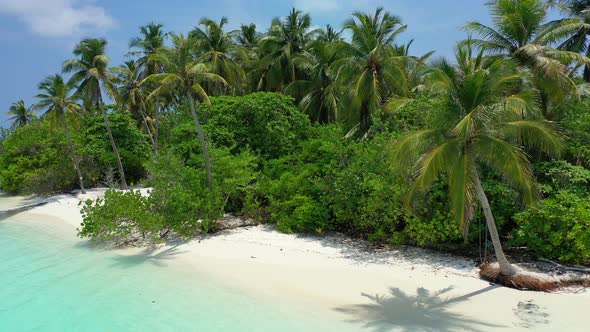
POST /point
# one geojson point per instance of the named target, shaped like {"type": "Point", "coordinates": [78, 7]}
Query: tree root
{"type": "Point", "coordinates": [525, 281]}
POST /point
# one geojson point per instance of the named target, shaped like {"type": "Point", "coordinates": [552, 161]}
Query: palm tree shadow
{"type": "Point", "coordinates": [148, 255]}
{"type": "Point", "coordinates": [425, 311]}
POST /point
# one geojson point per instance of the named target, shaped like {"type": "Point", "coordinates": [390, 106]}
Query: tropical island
{"type": "Point", "coordinates": [335, 153]}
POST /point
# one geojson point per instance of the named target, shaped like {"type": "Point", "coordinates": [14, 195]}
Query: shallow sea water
{"type": "Point", "coordinates": [48, 283]}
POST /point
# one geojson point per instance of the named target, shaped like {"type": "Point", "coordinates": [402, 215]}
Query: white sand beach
{"type": "Point", "coordinates": [407, 289]}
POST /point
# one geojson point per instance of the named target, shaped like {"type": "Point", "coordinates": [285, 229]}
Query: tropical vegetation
{"type": "Point", "coordinates": [320, 130]}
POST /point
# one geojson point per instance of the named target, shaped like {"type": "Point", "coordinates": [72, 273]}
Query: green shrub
{"type": "Point", "coordinates": [33, 160]}
{"type": "Point", "coordinates": [367, 193]}
{"type": "Point", "coordinates": [98, 157]}
{"type": "Point", "coordinates": [120, 217]}
{"type": "Point", "coordinates": [559, 228]}
{"type": "Point", "coordinates": [293, 192]}
{"type": "Point", "coordinates": [556, 176]}
{"type": "Point", "coordinates": [575, 123]}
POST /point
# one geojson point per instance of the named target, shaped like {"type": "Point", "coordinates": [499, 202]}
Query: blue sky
{"type": "Point", "coordinates": [38, 35]}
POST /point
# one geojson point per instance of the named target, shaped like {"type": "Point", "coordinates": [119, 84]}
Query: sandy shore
{"type": "Point", "coordinates": [406, 289]}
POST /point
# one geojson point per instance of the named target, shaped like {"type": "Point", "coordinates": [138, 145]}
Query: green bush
{"type": "Point", "coordinates": [98, 157]}
{"type": "Point", "coordinates": [179, 204]}
{"type": "Point", "coordinates": [293, 189]}
{"type": "Point", "coordinates": [268, 124]}
{"type": "Point", "coordinates": [367, 193]}
{"type": "Point", "coordinates": [559, 228]}
{"type": "Point", "coordinates": [575, 123]}
{"type": "Point", "coordinates": [121, 217]}
{"type": "Point", "coordinates": [33, 160]}
{"type": "Point", "coordinates": [556, 176]}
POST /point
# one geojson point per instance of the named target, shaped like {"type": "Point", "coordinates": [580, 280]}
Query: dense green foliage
{"type": "Point", "coordinates": [32, 160]}
{"type": "Point", "coordinates": [267, 124]}
{"type": "Point", "coordinates": [558, 228]}
{"type": "Point", "coordinates": [179, 203]}
{"type": "Point", "coordinates": [35, 157]}
{"type": "Point", "coordinates": [315, 133]}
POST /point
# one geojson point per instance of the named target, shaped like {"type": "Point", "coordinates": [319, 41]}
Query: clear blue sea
{"type": "Point", "coordinates": [48, 283]}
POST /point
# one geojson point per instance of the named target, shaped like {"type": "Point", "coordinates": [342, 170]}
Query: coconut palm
{"type": "Point", "coordinates": [215, 48]}
{"type": "Point", "coordinates": [579, 41]}
{"type": "Point", "coordinates": [133, 94]}
{"type": "Point", "coordinates": [246, 36]}
{"type": "Point", "coordinates": [520, 31]}
{"type": "Point", "coordinates": [152, 39]}
{"type": "Point", "coordinates": [247, 39]}
{"type": "Point", "coordinates": [185, 77]}
{"type": "Point", "coordinates": [21, 115]}
{"type": "Point", "coordinates": [319, 94]}
{"type": "Point", "coordinates": [57, 100]}
{"type": "Point", "coordinates": [286, 39]}
{"type": "Point", "coordinates": [329, 35]}
{"type": "Point", "coordinates": [89, 73]}
{"type": "Point", "coordinates": [489, 117]}
{"type": "Point", "coordinates": [371, 70]}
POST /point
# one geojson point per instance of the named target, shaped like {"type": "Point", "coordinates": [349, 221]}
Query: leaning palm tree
{"type": "Point", "coordinates": [490, 115]}
{"type": "Point", "coordinates": [372, 69]}
{"type": "Point", "coordinates": [21, 115]}
{"type": "Point", "coordinates": [89, 73]}
{"type": "Point", "coordinates": [185, 77]}
{"type": "Point", "coordinates": [57, 101]}
{"type": "Point", "coordinates": [521, 32]}
{"type": "Point", "coordinates": [133, 94]}
{"type": "Point", "coordinates": [152, 40]}
{"type": "Point", "coordinates": [215, 48]}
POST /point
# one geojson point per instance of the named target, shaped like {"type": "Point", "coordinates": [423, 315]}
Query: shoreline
{"type": "Point", "coordinates": [330, 277]}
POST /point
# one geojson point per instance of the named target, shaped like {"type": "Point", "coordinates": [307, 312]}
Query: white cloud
{"type": "Point", "coordinates": [58, 18]}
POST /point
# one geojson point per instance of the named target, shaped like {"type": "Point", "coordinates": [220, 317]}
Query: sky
{"type": "Point", "coordinates": [38, 35]}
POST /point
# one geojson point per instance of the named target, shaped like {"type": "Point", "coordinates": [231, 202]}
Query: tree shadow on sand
{"type": "Point", "coordinates": [425, 311]}
{"type": "Point", "coordinates": [147, 255]}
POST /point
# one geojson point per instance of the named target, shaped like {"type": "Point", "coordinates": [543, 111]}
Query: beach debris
{"type": "Point", "coordinates": [232, 222]}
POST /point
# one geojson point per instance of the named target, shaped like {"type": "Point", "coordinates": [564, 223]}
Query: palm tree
{"type": "Point", "coordinates": [21, 114]}
{"type": "Point", "coordinates": [372, 69]}
{"type": "Point", "coordinates": [319, 95]}
{"type": "Point", "coordinates": [133, 94]}
{"type": "Point", "coordinates": [185, 77]}
{"type": "Point", "coordinates": [90, 71]}
{"type": "Point", "coordinates": [215, 48]}
{"type": "Point", "coordinates": [151, 41]}
{"type": "Point", "coordinates": [521, 33]}
{"type": "Point", "coordinates": [246, 36]}
{"type": "Point", "coordinates": [287, 38]}
{"type": "Point", "coordinates": [247, 39]}
{"type": "Point", "coordinates": [57, 101]}
{"type": "Point", "coordinates": [329, 35]}
{"type": "Point", "coordinates": [579, 41]}
{"type": "Point", "coordinates": [490, 115]}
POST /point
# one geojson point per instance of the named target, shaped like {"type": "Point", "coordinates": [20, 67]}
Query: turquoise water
{"type": "Point", "coordinates": [48, 283]}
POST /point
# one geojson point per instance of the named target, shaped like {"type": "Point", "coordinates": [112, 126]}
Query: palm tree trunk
{"type": "Point", "coordinates": [505, 267]}
{"type": "Point", "coordinates": [73, 152]}
{"type": "Point", "coordinates": [107, 124]}
{"type": "Point", "coordinates": [157, 133]}
{"type": "Point", "coordinates": [201, 139]}
{"type": "Point", "coordinates": [147, 129]}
